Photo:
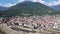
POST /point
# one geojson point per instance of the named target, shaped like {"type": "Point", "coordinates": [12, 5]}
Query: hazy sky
{"type": "Point", "coordinates": [9, 3]}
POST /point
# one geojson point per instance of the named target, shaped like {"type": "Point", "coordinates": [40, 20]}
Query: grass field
{"type": "Point", "coordinates": [1, 32]}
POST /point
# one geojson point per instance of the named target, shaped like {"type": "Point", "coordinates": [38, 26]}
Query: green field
{"type": "Point", "coordinates": [1, 32]}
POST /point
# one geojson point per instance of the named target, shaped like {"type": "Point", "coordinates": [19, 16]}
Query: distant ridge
{"type": "Point", "coordinates": [3, 8]}
{"type": "Point", "coordinates": [56, 7]}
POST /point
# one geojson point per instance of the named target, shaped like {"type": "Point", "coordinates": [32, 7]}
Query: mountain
{"type": "Point", "coordinates": [3, 8]}
{"type": "Point", "coordinates": [56, 7]}
{"type": "Point", "coordinates": [29, 8]}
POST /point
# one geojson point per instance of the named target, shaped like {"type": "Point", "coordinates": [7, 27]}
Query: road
{"type": "Point", "coordinates": [8, 30]}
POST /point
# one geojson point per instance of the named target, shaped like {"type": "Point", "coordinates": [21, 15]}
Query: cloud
{"type": "Point", "coordinates": [34, 0]}
{"type": "Point", "coordinates": [20, 1]}
{"type": "Point", "coordinates": [7, 4]}
{"type": "Point", "coordinates": [0, 3]}
{"type": "Point", "coordinates": [31, 0]}
{"type": "Point", "coordinates": [54, 3]}
{"type": "Point", "coordinates": [40, 1]}
{"type": "Point", "coordinates": [10, 4]}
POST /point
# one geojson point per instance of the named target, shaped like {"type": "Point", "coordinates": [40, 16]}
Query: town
{"type": "Point", "coordinates": [33, 22]}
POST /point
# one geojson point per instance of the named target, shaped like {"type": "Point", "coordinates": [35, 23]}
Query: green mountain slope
{"type": "Point", "coordinates": [29, 8]}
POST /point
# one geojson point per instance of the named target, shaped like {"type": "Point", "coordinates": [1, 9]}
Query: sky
{"type": "Point", "coordinates": [9, 3]}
